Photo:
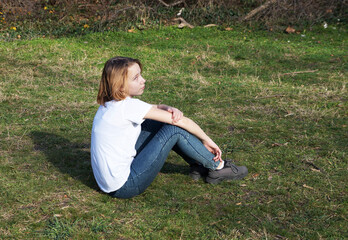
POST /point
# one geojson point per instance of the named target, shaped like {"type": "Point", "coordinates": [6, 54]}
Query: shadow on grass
{"type": "Point", "coordinates": [69, 157]}
{"type": "Point", "coordinates": [74, 158]}
{"type": "Point", "coordinates": [170, 168]}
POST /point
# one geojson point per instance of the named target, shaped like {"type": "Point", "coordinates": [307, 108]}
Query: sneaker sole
{"type": "Point", "coordinates": [220, 179]}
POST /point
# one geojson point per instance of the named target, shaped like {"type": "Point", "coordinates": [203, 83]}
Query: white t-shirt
{"type": "Point", "coordinates": [116, 128]}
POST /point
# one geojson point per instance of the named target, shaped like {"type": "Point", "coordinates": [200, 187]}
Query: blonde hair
{"type": "Point", "coordinates": [113, 83]}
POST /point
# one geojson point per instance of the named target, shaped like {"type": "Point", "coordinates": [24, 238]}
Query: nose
{"type": "Point", "coordinates": [143, 80]}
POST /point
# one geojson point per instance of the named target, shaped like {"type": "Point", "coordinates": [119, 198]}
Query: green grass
{"type": "Point", "coordinates": [276, 103]}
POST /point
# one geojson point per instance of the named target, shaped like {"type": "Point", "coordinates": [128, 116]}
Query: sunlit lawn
{"type": "Point", "coordinates": [276, 103]}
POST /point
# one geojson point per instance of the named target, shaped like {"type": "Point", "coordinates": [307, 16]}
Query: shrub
{"type": "Point", "coordinates": [62, 17]}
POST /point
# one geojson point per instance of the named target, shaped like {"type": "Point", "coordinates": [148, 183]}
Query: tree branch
{"type": "Point", "coordinates": [172, 4]}
{"type": "Point", "coordinates": [259, 9]}
{"type": "Point", "coordinates": [183, 23]}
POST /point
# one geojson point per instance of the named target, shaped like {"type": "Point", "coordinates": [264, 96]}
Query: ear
{"type": "Point", "coordinates": [122, 88]}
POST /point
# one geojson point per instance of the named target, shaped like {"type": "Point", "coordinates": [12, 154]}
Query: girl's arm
{"type": "Point", "coordinates": [176, 113]}
{"type": "Point", "coordinates": [165, 116]}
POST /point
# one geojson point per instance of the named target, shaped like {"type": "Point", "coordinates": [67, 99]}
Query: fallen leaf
{"type": "Point", "coordinates": [228, 29]}
{"type": "Point", "coordinates": [290, 30]}
{"type": "Point", "coordinates": [132, 30]}
{"type": "Point", "coordinates": [255, 175]}
{"type": "Point", "coordinates": [243, 185]}
{"type": "Point", "coordinates": [238, 203]}
{"type": "Point", "coordinates": [329, 11]}
{"type": "Point", "coordinates": [57, 215]}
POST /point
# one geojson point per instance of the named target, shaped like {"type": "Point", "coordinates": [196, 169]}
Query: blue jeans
{"type": "Point", "coordinates": [153, 146]}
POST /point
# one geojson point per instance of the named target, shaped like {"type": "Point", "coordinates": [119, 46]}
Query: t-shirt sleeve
{"type": "Point", "coordinates": [135, 110]}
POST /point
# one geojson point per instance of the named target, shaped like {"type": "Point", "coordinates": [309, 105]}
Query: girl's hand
{"type": "Point", "coordinates": [213, 148]}
{"type": "Point", "coordinates": [176, 114]}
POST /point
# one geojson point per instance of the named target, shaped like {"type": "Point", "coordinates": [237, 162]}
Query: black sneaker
{"type": "Point", "coordinates": [228, 172]}
{"type": "Point", "coordinates": [198, 171]}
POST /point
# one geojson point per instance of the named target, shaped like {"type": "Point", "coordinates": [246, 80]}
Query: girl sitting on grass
{"type": "Point", "coordinates": [131, 139]}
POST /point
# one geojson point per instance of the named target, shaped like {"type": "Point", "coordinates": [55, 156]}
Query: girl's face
{"type": "Point", "coordinates": [136, 83]}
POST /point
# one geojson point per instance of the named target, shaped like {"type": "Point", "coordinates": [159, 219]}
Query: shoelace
{"type": "Point", "coordinates": [232, 166]}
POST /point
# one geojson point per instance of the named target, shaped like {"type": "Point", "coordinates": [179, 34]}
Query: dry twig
{"type": "Point", "coordinates": [293, 73]}
{"type": "Point", "coordinates": [259, 9]}
{"type": "Point", "coordinates": [270, 96]}
{"type": "Point", "coordinates": [313, 165]}
{"type": "Point", "coordinates": [210, 25]}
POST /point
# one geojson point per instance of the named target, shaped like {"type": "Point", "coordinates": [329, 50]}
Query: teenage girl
{"type": "Point", "coordinates": [131, 139]}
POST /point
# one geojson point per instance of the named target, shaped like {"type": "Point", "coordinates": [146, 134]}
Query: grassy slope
{"type": "Point", "coordinates": [289, 129]}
